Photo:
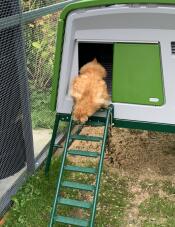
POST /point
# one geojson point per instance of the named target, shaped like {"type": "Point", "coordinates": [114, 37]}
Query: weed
{"type": "Point", "coordinates": [169, 187]}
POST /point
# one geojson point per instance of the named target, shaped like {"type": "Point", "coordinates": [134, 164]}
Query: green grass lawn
{"type": "Point", "coordinates": [32, 204]}
{"type": "Point", "coordinates": [159, 209]}
{"type": "Point", "coordinates": [123, 200]}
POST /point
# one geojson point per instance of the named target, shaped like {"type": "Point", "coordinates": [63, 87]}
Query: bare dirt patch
{"type": "Point", "coordinates": [143, 152]}
{"type": "Point", "coordinates": [142, 157]}
{"type": "Point", "coordinates": [135, 151]}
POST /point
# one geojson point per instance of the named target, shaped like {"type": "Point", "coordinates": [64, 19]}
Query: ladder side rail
{"type": "Point", "coordinates": [52, 142]}
{"type": "Point", "coordinates": [60, 174]}
{"type": "Point", "coordinates": [109, 112]}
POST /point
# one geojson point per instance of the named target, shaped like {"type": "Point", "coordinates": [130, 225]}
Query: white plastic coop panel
{"type": "Point", "coordinates": [122, 24]}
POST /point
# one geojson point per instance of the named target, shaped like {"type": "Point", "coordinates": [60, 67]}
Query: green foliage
{"type": "Point", "coordinates": [40, 36]}
{"type": "Point", "coordinates": [42, 117]}
{"type": "Point", "coordinates": [28, 5]}
{"type": "Point", "coordinates": [40, 46]}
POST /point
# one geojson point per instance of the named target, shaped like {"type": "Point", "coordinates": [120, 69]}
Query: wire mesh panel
{"type": "Point", "coordinates": [9, 8]}
{"type": "Point", "coordinates": [40, 38]}
{"type": "Point", "coordinates": [28, 5]}
{"type": "Point", "coordinates": [12, 144]}
{"type": "Point", "coordinates": [26, 63]}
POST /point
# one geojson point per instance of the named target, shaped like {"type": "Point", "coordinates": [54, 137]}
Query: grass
{"type": "Point", "coordinates": [159, 209]}
{"type": "Point", "coordinates": [158, 212]}
{"type": "Point", "coordinates": [42, 116]}
{"type": "Point", "coordinates": [32, 204]}
{"type": "Point", "coordinates": [169, 187]}
{"type": "Point", "coordinates": [113, 201]}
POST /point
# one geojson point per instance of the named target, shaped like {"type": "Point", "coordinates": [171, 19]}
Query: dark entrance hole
{"type": "Point", "coordinates": [102, 52]}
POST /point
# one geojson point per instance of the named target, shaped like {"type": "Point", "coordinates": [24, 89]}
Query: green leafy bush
{"type": "Point", "coordinates": [42, 117]}
{"type": "Point", "coordinates": [40, 48]}
{"type": "Point", "coordinates": [40, 36]}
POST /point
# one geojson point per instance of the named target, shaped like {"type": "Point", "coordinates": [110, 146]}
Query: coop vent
{"type": "Point", "coordinates": [173, 47]}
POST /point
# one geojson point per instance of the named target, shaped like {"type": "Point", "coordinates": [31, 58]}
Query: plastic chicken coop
{"type": "Point", "coordinates": [135, 42]}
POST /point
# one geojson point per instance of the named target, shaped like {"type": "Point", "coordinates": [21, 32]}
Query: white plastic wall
{"type": "Point", "coordinates": [127, 24]}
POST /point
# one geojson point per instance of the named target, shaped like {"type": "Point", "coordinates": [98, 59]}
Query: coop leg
{"type": "Point", "coordinates": [54, 134]}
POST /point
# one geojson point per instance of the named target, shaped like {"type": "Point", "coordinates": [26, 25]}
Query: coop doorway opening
{"type": "Point", "coordinates": [103, 52]}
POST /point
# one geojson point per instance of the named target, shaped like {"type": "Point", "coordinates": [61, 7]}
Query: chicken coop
{"type": "Point", "coordinates": [134, 41]}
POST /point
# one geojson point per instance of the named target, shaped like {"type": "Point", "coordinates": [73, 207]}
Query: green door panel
{"type": "Point", "coordinates": [137, 74]}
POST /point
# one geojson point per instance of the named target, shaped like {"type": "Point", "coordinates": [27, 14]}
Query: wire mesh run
{"type": "Point", "coordinates": [26, 63]}
{"type": "Point", "coordinates": [40, 38]}
{"type": "Point", "coordinates": [28, 5]}
{"type": "Point", "coordinates": [12, 140]}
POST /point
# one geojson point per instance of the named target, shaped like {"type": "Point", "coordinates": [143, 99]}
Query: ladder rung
{"type": "Point", "coordinates": [75, 185]}
{"type": "Point", "coordinates": [81, 169]}
{"type": "Point", "coordinates": [71, 221]}
{"type": "Point", "coordinates": [57, 146]}
{"type": "Point", "coordinates": [86, 138]}
{"type": "Point", "coordinates": [84, 153]}
{"type": "Point", "coordinates": [95, 123]}
{"type": "Point", "coordinates": [103, 109]}
{"type": "Point", "coordinates": [75, 203]}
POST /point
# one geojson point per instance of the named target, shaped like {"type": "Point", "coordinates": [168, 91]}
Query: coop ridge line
{"type": "Point", "coordinates": [61, 29]}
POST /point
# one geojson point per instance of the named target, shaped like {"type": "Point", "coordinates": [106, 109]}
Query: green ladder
{"type": "Point", "coordinates": [58, 200]}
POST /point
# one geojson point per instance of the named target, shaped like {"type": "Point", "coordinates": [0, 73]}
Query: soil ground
{"type": "Point", "coordinates": [147, 160]}
{"type": "Point", "coordinates": [140, 153]}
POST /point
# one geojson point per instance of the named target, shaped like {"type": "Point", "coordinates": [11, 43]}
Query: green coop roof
{"type": "Point", "coordinates": [61, 27]}
{"type": "Point", "coordinates": [93, 3]}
